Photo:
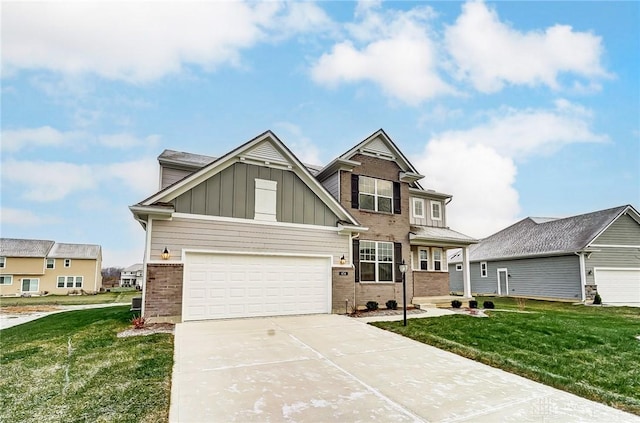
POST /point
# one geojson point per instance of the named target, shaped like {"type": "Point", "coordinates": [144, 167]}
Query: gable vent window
{"type": "Point", "coordinates": [374, 194]}
{"type": "Point", "coordinates": [265, 196]}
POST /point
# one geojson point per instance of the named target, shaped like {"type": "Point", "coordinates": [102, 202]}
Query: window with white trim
{"type": "Point", "coordinates": [50, 263]}
{"type": "Point", "coordinates": [67, 262]}
{"type": "Point", "coordinates": [30, 285]}
{"type": "Point", "coordinates": [3, 262]}
{"type": "Point", "coordinates": [376, 261]}
{"type": "Point", "coordinates": [436, 210]}
{"type": "Point", "coordinates": [375, 194]}
{"type": "Point", "coordinates": [423, 258]}
{"type": "Point", "coordinates": [483, 269]}
{"type": "Point", "coordinates": [437, 259]}
{"type": "Point", "coordinates": [70, 281]}
{"type": "Point", "coordinates": [418, 207]}
{"type": "Point", "coordinates": [458, 268]}
{"type": "Point", "coordinates": [6, 280]}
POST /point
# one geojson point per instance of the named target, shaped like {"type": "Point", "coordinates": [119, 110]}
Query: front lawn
{"type": "Point", "coordinates": [593, 352]}
{"type": "Point", "coordinates": [102, 298]}
{"type": "Point", "coordinates": [71, 367]}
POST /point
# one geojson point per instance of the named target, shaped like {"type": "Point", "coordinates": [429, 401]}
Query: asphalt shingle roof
{"type": "Point", "coordinates": [540, 236]}
{"type": "Point", "coordinates": [11, 247]}
{"type": "Point", "coordinates": [75, 251]}
{"type": "Point", "coordinates": [445, 234]}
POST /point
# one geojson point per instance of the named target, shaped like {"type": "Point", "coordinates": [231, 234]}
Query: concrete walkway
{"type": "Point", "coordinates": [8, 320]}
{"type": "Point", "coordinates": [326, 368]}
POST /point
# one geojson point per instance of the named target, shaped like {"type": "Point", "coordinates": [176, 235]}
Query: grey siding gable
{"type": "Point", "coordinates": [171, 176]}
{"type": "Point", "coordinates": [230, 193]}
{"type": "Point", "coordinates": [331, 184]}
{"type": "Point", "coordinates": [624, 231]}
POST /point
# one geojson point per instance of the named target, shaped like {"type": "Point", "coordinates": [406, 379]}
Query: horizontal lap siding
{"type": "Point", "coordinates": [624, 231]}
{"type": "Point", "coordinates": [552, 277]}
{"type": "Point", "coordinates": [179, 234]}
{"type": "Point", "coordinates": [331, 184]}
{"type": "Point", "coordinates": [456, 284]}
{"type": "Point", "coordinates": [170, 176]}
{"type": "Point", "coordinates": [612, 257]}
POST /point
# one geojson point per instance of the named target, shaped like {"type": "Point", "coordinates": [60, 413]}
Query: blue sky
{"type": "Point", "coordinates": [515, 108]}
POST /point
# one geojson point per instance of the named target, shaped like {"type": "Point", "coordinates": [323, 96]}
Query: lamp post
{"type": "Point", "coordinates": [403, 269]}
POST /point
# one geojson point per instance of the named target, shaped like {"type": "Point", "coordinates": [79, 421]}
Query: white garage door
{"type": "Point", "coordinates": [218, 286]}
{"type": "Point", "coordinates": [618, 286]}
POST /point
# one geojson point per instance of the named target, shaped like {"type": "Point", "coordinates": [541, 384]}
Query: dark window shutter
{"type": "Point", "coordinates": [397, 257]}
{"type": "Point", "coordinates": [355, 201]}
{"type": "Point", "coordinates": [396, 198]}
{"type": "Point", "coordinates": [356, 259]}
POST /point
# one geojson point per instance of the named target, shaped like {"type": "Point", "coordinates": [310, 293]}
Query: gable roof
{"type": "Point", "coordinates": [379, 145]}
{"type": "Point", "coordinates": [11, 247]}
{"type": "Point", "coordinates": [546, 236]}
{"type": "Point", "coordinates": [264, 150]}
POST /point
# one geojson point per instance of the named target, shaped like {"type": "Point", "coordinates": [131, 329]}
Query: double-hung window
{"type": "Point", "coordinates": [423, 258]}
{"type": "Point", "coordinates": [70, 281]}
{"type": "Point", "coordinates": [418, 207]}
{"type": "Point", "coordinates": [483, 269]}
{"type": "Point", "coordinates": [51, 263]}
{"type": "Point", "coordinates": [3, 262]}
{"type": "Point", "coordinates": [436, 210]}
{"type": "Point", "coordinates": [67, 262]}
{"type": "Point", "coordinates": [375, 194]}
{"type": "Point", "coordinates": [437, 259]}
{"type": "Point", "coordinates": [376, 261]}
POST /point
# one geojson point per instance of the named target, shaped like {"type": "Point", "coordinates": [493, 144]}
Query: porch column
{"type": "Point", "coordinates": [466, 272]}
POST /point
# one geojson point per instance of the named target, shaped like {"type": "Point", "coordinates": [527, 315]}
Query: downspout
{"type": "Point", "coordinates": [351, 238]}
{"type": "Point", "coordinates": [583, 276]}
{"type": "Point", "coordinates": [147, 254]}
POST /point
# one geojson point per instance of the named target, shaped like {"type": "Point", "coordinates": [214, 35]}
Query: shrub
{"type": "Point", "coordinates": [138, 322]}
{"type": "Point", "coordinates": [597, 299]}
{"type": "Point", "coordinates": [392, 305]}
{"type": "Point", "coordinates": [488, 305]}
{"type": "Point", "coordinates": [456, 304]}
{"type": "Point", "coordinates": [372, 305]}
{"type": "Point", "coordinates": [473, 304]}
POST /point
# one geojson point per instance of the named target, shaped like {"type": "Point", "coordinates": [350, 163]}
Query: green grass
{"type": "Point", "coordinates": [102, 298]}
{"type": "Point", "coordinates": [71, 367]}
{"type": "Point", "coordinates": [589, 351]}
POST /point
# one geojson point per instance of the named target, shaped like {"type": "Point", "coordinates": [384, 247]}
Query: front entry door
{"type": "Point", "coordinates": [503, 282]}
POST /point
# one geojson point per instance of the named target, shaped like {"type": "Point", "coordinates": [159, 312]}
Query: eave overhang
{"type": "Point", "coordinates": [410, 177]}
{"type": "Point", "coordinates": [429, 193]}
{"type": "Point", "coordinates": [336, 165]}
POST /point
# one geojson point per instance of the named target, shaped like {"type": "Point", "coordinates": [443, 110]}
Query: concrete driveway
{"type": "Point", "coordinates": [326, 368]}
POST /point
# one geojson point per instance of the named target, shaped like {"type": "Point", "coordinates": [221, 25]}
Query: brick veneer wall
{"type": "Point", "coordinates": [163, 291]}
{"type": "Point", "coordinates": [382, 226]}
{"type": "Point", "coordinates": [342, 290]}
{"type": "Point", "coordinates": [427, 284]}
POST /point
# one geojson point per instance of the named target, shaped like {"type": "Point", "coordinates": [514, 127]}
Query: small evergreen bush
{"type": "Point", "coordinates": [597, 299]}
{"type": "Point", "coordinates": [473, 304]}
{"type": "Point", "coordinates": [456, 304]}
{"type": "Point", "coordinates": [488, 305]}
{"type": "Point", "coordinates": [392, 305]}
{"type": "Point", "coordinates": [372, 305]}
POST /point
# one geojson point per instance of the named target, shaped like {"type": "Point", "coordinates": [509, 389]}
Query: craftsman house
{"type": "Point", "coordinates": [255, 232]}
{"type": "Point", "coordinates": [39, 267]}
{"type": "Point", "coordinates": [564, 259]}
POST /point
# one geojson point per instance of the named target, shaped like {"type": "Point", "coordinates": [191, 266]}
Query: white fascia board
{"type": "Point", "coordinates": [410, 177]}
{"type": "Point", "coordinates": [429, 194]}
{"type": "Point", "coordinates": [633, 213]}
{"type": "Point", "coordinates": [348, 229]}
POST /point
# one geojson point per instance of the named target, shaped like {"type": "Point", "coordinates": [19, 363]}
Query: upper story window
{"type": "Point", "coordinates": [418, 207]}
{"type": "Point", "coordinates": [67, 262]}
{"type": "Point", "coordinates": [51, 263]}
{"type": "Point", "coordinates": [3, 262]}
{"type": "Point", "coordinates": [376, 261]}
{"type": "Point", "coordinates": [436, 210]}
{"type": "Point", "coordinates": [375, 194]}
{"type": "Point", "coordinates": [483, 269]}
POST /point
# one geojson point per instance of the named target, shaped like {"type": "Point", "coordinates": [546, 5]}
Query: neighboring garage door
{"type": "Point", "coordinates": [618, 286]}
{"type": "Point", "coordinates": [218, 286]}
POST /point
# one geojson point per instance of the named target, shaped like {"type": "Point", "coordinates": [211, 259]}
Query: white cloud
{"type": "Point", "coordinates": [300, 145]}
{"type": "Point", "coordinates": [21, 217]}
{"type": "Point", "coordinates": [44, 136]}
{"type": "Point", "coordinates": [53, 181]}
{"type": "Point", "coordinates": [142, 41]}
{"type": "Point", "coordinates": [479, 164]}
{"type": "Point", "coordinates": [397, 54]}
{"type": "Point", "coordinates": [491, 53]}
{"type": "Point", "coordinates": [125, 141]}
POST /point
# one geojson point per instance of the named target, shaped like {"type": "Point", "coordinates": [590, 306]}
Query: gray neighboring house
{"type": "Point", "coordinates": [132, 276]}
{"type": "Point", "coordinates": [566, 259]}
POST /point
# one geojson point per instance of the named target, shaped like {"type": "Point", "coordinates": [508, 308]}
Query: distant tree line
{"type": "Point", "coordinates": [111, 275]}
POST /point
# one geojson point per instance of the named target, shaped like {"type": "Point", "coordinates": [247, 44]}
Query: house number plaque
{"type": "Point", "coordinates": [343, 273]}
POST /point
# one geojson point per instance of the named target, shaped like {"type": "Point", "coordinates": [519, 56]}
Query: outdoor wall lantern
{"type": "Point", "coordinates": [165, 254]}
{"type": "Point", "coordinates": [343, 260]}
{"type": "Point", "coordinates": [403, 269]}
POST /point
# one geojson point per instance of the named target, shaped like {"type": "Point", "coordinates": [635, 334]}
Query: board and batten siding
{"type": "Point", "coordinates": [181, 233]}
{"type": "Point", "coordinates": [426, 220]}
{"type": "Point", "coordinates": [171, 176]}
{"type": "Point", "coordinates": [609, 257]}
{"type": "Point", "coordinates": [332, 184]}
{"type": "Point", "coordinates": [231, 193]}
{"type": "Point", "coordinates": [547, 277]}
{"type": "Point", "coordinates": [624, 231]}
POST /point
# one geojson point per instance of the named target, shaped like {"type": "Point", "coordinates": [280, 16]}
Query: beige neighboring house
{"type": "Point", "coordinates": [39, 267]}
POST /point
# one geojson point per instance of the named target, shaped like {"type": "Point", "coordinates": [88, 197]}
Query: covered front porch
{"type": "Point", "coordinates": [429, 247]}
